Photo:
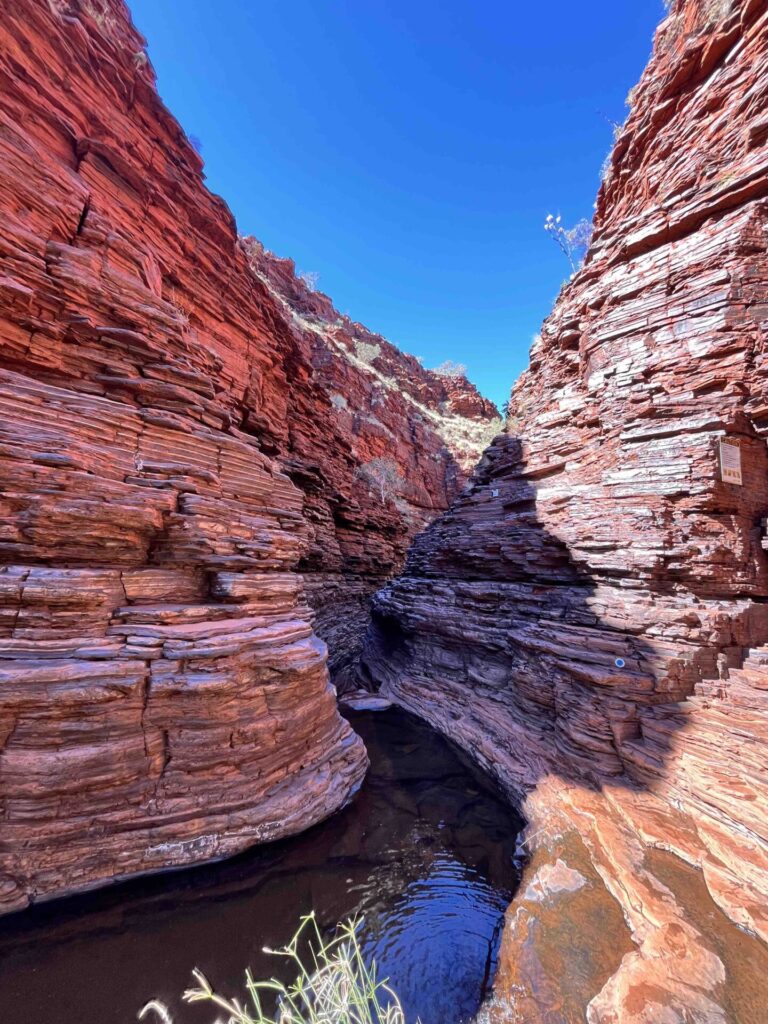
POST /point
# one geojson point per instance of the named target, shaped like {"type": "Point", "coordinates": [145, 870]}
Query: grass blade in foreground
{"type": "Point", "coordinates": [333, 985]}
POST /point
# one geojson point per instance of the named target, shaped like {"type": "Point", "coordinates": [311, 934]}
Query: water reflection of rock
{"type": "Point", "coordinates": [425, 853]}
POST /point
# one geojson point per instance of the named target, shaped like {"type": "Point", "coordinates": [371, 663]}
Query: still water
{"type": "Point", "coordinates": [426, 853]}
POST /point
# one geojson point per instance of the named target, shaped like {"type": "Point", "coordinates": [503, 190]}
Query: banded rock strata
{"type": "Point", "coordinates": [590, 617]}
{"type": "Point", "coordinates": [383, 405]}
{"type": "Point", "coordinates": [182, 427]}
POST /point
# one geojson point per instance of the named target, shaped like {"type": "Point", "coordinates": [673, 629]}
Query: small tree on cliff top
{"type": "Point", "coordinates": [572, 242]}
{"type": "Point", "coordinates": [451, 369]}
{"type": "Point", "coordinates": [310, 279]}
{"type": "Point", "coordinates": [383, 476]}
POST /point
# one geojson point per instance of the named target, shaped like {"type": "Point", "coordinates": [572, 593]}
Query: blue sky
{"type": "Point", "coordinates": [408, 151]}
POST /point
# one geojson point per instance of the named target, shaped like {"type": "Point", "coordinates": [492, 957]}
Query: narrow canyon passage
{"type": "Point", "coordinates": [207, 473]}
{"type": "Point", "coordinates": [426, 853]}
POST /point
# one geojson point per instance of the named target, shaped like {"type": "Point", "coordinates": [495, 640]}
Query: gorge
{"type": "Point", "coordinates": [207, 473]}
{"type": "Point", "coordinates": [185, 433]}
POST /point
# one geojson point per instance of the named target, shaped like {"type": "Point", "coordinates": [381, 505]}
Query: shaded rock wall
{"type": "Point", "coordinates": [590, 616]}
{"type": "Point", "coordinates": [181, 433]}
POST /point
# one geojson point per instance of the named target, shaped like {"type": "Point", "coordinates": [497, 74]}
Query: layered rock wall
{"type": "Point", "coordinates": [182, 434]}
{"type": "Point", "coordinates": [374, 403]}
{"type": "Point", "coordinates": [590, 617]}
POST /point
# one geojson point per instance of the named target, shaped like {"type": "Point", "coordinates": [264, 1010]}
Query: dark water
{"type": "Point", "coordinates": [426, 853]}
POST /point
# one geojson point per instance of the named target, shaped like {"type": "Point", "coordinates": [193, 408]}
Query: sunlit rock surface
{"type": "Point", "coordinates": [182, 430]}
{"type": "Point", "coordinates": [369, 401]}
{"type": "Point", "coordinates": [590, 618]}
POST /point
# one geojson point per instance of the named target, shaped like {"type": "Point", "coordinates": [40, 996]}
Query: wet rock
{"type": "Point", "coordinates": [553, 879]}
{"type": "Point", "coordinates": [361, 700]}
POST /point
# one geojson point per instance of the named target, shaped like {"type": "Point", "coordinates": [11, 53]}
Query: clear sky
{"type": "Point", "coordinates": [408, 151]}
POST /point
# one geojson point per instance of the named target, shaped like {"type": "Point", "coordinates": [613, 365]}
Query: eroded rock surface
{"type": "Point", "coordinates": [590, 617]}
{"type": "Point", "coordinates": [183, 427]}
{"type": "Point", "coordinates": [383, 405]}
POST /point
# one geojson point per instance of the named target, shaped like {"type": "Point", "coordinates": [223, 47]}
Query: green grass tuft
{"type": "Point", "coordinates": [333, 985]}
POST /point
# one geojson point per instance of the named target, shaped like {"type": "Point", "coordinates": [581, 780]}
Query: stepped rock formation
{"type": "Point", "coordinates": [183, 428]}
{"type": "Point", "coordinates": [382, 405]}
{"type": "Point", "coordinates": [590, 619]}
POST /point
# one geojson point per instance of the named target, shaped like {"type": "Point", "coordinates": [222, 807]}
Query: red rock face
{"type": "Point", "coordinates": [370, 403]}
{"type": "Point", "coordinates": [182, 433]}
{"type": "Point", "coordinates": [592, 610]}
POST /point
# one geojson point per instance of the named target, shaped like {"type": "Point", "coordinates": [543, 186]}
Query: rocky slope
{"type": "Point", "coordinates": [185, 432]}
{"type": "Point", "coordinates": [590, 617]}
{"type": "Point", "coordinates": [383, 406]}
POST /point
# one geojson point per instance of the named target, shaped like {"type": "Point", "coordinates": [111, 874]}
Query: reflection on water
{"type": "Point", "coordinates": [425, 853]}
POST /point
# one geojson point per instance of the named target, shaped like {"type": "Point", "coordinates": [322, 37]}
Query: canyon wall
{"type": "Point", "coordinates": [186, 441]}
{"type": "Point", "coordinates": [590, 618]}
{"type": "Point", "coordinates": [370, 403]}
